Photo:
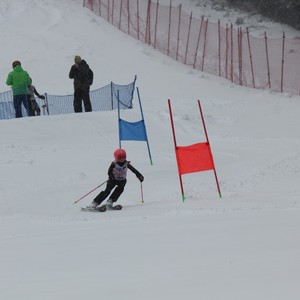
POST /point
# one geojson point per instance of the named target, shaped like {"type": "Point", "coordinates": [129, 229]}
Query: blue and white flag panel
{"type": "Point", "coordinates": [132, 131]}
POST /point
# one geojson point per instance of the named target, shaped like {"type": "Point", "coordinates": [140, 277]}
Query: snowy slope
{"type": "Point", "coordinates": [243, 246]}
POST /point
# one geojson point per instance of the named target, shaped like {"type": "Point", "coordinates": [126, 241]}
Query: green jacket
{"type": "Point", "coordinates": [19, 80]}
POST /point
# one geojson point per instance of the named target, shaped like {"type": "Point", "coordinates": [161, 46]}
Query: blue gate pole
{"type": "Point", "coordinates": [138, 92]}
{"type": "Point", "coordinates": [119, 118]}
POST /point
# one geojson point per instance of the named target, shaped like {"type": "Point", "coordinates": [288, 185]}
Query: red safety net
{"type": "Point", "coordinates": [232, 53]}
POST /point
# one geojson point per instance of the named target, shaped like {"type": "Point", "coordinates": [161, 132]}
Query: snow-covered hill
{"type": "Point", "coordinates": [243, 246]}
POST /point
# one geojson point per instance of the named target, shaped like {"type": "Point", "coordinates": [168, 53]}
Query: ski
{"type": "Point", "coordinates": [102, 208]}
{"type": "Point", "coordinates": [115, 207]}
{"type": "Point", "coordinates": [93, 209]}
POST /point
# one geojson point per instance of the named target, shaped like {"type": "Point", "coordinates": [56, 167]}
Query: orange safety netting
{"type": "Point", "coordinates": [219, 49]}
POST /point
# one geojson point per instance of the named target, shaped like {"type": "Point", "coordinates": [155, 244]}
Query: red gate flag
{"type": "Point", "coordinates": [194, 158]}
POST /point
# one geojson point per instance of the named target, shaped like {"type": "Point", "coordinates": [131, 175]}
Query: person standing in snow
{"type": "Point", "coordinates": [33, 106]}
{"type": "Point", "coordinates": [117, 173]}
{"type": "Point", "coordinates": [19, 80]}
{"type": "Point", "coordinates": [83, 78]}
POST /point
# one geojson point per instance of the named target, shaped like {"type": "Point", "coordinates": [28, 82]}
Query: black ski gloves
{"type": "Point", "coordinates": [141, 178]}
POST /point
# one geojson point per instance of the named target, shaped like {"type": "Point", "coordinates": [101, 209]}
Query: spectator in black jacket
{"type": "Point", "coordinates": [83, 79]}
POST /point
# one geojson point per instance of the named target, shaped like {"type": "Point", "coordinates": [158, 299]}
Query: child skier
{"type": "Point", "coordinates": [116, 178]}
{"type": "Point", "coordinates": [34, 109]}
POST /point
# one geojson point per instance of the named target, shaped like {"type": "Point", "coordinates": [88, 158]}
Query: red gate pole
{"type": "Point", "coordinates": [175, 145]}
{"type": "Point", "coordinates": [207, 140]}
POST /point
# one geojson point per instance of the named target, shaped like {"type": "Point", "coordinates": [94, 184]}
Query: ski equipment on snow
{"type": "Point", "coordinates": [102, 208]}
{"type": "Point", "coordinates": [90, 192]}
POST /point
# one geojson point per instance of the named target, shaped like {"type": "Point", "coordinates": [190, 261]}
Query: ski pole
{"type": "Point", "coordinates": [142, 194]}
{"type": "Point", "coordinates": [90, 192]}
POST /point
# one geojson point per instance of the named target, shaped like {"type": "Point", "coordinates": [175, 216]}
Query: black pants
{"type": "Point", "coordinates": [18, 101]}
{"type": "Point", "coordinates": [79, 96]}
{"type": "Point", "coordinates": [120, 184]}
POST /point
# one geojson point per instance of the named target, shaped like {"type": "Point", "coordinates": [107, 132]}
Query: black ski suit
{"type": "Point", "coordinates": [117, 173]}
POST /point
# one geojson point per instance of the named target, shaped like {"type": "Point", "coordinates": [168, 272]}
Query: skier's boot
{"type": "Point", "coordinates": [93, 205]}
{"type": "Point", "coordinates": [109, 204]}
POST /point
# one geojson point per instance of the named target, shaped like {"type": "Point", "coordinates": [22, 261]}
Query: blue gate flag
{"type": "Point", "coordinates": [134, 131]}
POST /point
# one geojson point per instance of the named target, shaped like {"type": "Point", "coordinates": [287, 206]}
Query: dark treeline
{"type": "Point", "coordinates": [283, 11]}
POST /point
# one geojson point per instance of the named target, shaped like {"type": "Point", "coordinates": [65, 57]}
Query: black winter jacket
{"type": "Point", "coordinates": [118, 170]}
{"type": "Point", "coordinates": [83, 76]}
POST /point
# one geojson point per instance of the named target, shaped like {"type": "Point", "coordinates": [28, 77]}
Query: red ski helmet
{"type": "Point", "coordinates": [120, 154]}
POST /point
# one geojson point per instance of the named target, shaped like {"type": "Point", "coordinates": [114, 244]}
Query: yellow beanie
{"type": "Point", "coordinates": [77, 59]}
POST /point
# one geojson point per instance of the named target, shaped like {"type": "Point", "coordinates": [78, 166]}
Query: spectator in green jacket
{"type": "Point", "coordinates": [19, 80]}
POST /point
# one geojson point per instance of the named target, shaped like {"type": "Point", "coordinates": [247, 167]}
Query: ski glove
{"type": "Point", "coordinates": [42, 97]}
{"type": "Point", "coordinates": [141, 178]}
